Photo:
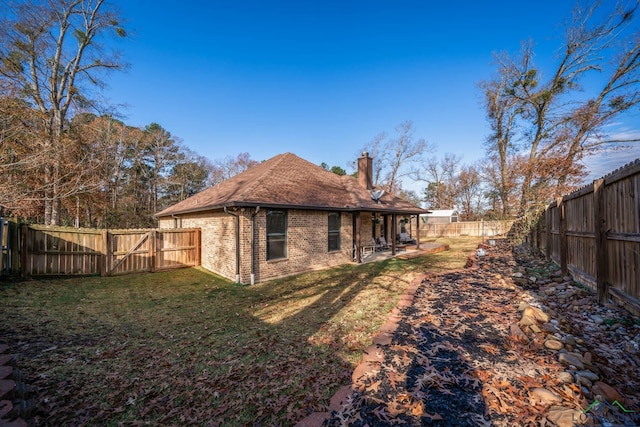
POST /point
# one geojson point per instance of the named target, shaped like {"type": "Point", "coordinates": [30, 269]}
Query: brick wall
{"type": "Point", "coordinates": [218, 239]}
{"type": "Point", "coordinates": [307, 243]}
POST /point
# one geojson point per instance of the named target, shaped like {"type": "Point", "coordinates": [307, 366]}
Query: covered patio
{"type": "Point", "coordinates": [407, 252]}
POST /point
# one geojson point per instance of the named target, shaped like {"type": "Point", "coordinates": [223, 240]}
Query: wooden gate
{"type": "Point", "coordinates": [131, 251]}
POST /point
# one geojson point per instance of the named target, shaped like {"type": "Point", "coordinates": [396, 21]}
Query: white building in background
{"type": "Point", "coordinates": [440, 216]}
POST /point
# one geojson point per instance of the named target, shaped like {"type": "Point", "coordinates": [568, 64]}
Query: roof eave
{"type": "Point", "coordinates": [416, 211]}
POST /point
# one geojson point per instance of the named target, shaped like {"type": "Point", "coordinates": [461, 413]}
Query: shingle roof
{"type": "Point", "coordinates": [288, 181]}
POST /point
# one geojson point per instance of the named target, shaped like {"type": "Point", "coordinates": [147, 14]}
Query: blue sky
{"type": "Point", "coordinates": [322, 78]}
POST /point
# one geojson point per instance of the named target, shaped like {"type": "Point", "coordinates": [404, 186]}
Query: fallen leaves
{"type": "Point", "coordinates": [460, 358]}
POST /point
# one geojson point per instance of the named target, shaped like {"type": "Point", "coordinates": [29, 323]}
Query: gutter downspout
{"type": "Point", "coordinates": [253, 244]}
{"type": "Point", "coordinates": [237, 242]}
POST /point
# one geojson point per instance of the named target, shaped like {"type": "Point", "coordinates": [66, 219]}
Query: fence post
{"type": "Point", "coordinates": [104, 253]}
{"type": "Point", "coordinates": [199, 246]}
{"type": "Point", "coordinates": [540, 222]}
{"type": "Point", "coordinates": [601, 253]}
{"type": "Point", "coordinates": [547, 222]}
{"type": "Point", "coordinates": [24, 233]}
{"type": "Point", "coordinates": [152, 248]}
{"type": "Point", "coordinates": [2, 262]}
{"type": "Point", "coordinates": [563, 236]}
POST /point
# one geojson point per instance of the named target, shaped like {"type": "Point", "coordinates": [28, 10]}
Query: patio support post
{"type": "Point", "coordinates": [357, 225]}
{"type": "Point", "coordinates": [393, 233]}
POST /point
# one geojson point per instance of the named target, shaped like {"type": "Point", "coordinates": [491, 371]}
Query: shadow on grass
{"type": "Point", "coordinates": [187, 347]}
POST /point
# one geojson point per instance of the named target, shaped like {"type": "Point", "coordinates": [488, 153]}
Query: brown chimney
{"type": "Point", "coordinates": [365, 171]}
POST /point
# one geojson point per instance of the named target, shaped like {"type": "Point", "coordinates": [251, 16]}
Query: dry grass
{"type": "Point", "coordinates": [188, 347]}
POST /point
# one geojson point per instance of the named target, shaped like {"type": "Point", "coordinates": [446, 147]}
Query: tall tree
{"type": "Point", "coordinates": [501, 181]}
{"type": "Point", "coordinates": [503, 111]}
{"type": "Point", "coordinates": [51, 54]}
{"type": "Point", "coordinates": [111, 143]}
{"type": "Point", "coordinates": [187, 177]}
{"type": "Point", "coordinates": [469, 193]}
{"type": "Point", "coordinates": [21, 157]}
{"type": "Point", "coordinates": [161, 153]}
{"type": "Point", "coordinates": [558, 127]}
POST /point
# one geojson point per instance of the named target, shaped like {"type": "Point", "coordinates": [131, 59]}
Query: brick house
{"type": "Point", "coordinates": [287, 216]}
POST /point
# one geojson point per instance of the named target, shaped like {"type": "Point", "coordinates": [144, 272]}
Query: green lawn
{"type": "Point", "coordinates": [188, 347]}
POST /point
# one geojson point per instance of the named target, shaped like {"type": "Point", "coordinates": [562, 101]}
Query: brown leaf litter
{"type": "Point", "coordinates": [509, 341]}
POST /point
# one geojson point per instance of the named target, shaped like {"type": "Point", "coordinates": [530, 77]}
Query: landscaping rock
{"type": "Point", "coordinates": [580, 380]}
{"type": "Point", "coordinates": [606, 392]}
{"type": "Point", "coordinates": [592, 376]}
{"type": "Point", "coordinates": [517, 334]}
{"type": "Point", "coordinates": [569, 359]}
{"type": "Point", "coordinates": [565, 377]}
{"type": "Point", "coordinates": [545, 396]}
{"type": "Point", "coordinates": [563, 417]}
{"type": "Point", "coordinates": [553, 344]}
{"type": "Point", "coordinates": [536, 313]}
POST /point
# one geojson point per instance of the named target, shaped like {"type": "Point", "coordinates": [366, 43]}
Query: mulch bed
{"type": "Point", "coordinates": [489, 345]}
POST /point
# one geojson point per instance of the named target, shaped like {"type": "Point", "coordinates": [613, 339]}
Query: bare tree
{"type": "Point", "coordinates": [440, 176]}
{"type": "Point", "coordinates": [501, 185]}
{"type": "Point", "coordinates": [502, 113]}
{"type": "Point", "coordinates": [469, 194]}
{"type": "Point", "coordinates": [21, 157]}
{"type": "Point", "coordinates": [111, 143]}
{"type": "Point", "coordinates": [51, 53]}
{"type": "Point", "coordinates": [396, 158]}
{"type": "Point", "coordinates": [555, 129]}
{"type": "Point", "coordinates": [229, 166]}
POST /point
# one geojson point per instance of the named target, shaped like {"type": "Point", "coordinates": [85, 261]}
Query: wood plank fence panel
{"type": "Point", "coordinates": [623, 230]}
{"type": "Point", "coordinates": [464, 228]}
{"type": "Point", "coordinates": [600, 230]}
{"type": "Point", "coordinates": [57, 251]}
{"type": "Point", "coordinates": [63, 251]}
{"type": "Point", "coordinates": [177, 249]}
{"type": "Point", "coordinates": [554, 232]}
{"type": "Point", "coordinates": [580, 234]}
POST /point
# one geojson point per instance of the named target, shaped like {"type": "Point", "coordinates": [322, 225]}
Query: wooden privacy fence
{"type": "Point", "coordinates": [594, 233]}
{"type": "Point", "coordinates": [53, 251]}
{"type": "Point", "coordinates": [464, 228]}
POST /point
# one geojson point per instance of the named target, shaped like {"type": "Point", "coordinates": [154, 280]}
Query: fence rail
{"type": "Point", "coordinates": [64, 251]}
{"type": "Point", "coordinates": [594, 233]}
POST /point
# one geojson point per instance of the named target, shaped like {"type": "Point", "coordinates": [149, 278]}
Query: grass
{"type": "Point", "coordinates": [188, 347]}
